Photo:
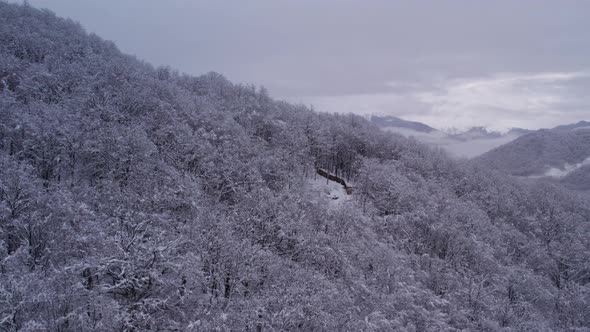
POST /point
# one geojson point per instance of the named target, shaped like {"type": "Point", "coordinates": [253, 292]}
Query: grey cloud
{"type": "Point", "coordinates": [315, 50]}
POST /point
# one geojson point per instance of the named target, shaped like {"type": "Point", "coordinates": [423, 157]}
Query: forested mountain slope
{"type": "Point", "coordinates": [578, 179]}
{"type": "Point", "coordinates": [134, 198]}
{"type": "Point", "coordinates": [536, 153]}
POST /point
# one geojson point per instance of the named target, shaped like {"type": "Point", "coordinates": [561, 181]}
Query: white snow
{"type": "Point", "coordinates": [330, 192]}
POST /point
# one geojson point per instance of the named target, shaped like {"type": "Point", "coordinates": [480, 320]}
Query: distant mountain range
{"type": "Point", "coordinates": [395, 122]}
{"type": "Point", "coordinates": [464, 144]}
{"type": "Point", "coordinates": [484, 133]}
{"type": "Point", "coordinates": [561, 153]}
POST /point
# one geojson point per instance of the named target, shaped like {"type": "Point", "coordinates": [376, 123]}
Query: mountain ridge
{"type": "Point", "coordinates": [392, 121]}
{"type": "Point", "coordinates": [534, 153]}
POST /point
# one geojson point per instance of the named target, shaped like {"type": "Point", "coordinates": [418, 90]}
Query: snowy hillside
{"type": "Point", "coordinates": [541, 153]}
{"type": "Point", "coordinates": [136, 198]}
{"type": "Point", "coordinates": [328, 192]}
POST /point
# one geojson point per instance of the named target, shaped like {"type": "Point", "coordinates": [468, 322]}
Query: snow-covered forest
{"type": "Point", "coordinates": [135, 198]}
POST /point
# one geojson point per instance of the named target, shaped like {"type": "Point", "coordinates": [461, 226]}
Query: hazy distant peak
{"type": "Point", "coordinates": [392, 121]}
{"type": "Point", "coordinates": [519, 131]}
{"type": "Point", "coordinates": [476, 133]}
{"type": "Point", "coordinates": [574, 126]}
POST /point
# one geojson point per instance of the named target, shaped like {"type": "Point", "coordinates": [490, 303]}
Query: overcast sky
{"type": "Point", "coordinates": [446, 63]}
